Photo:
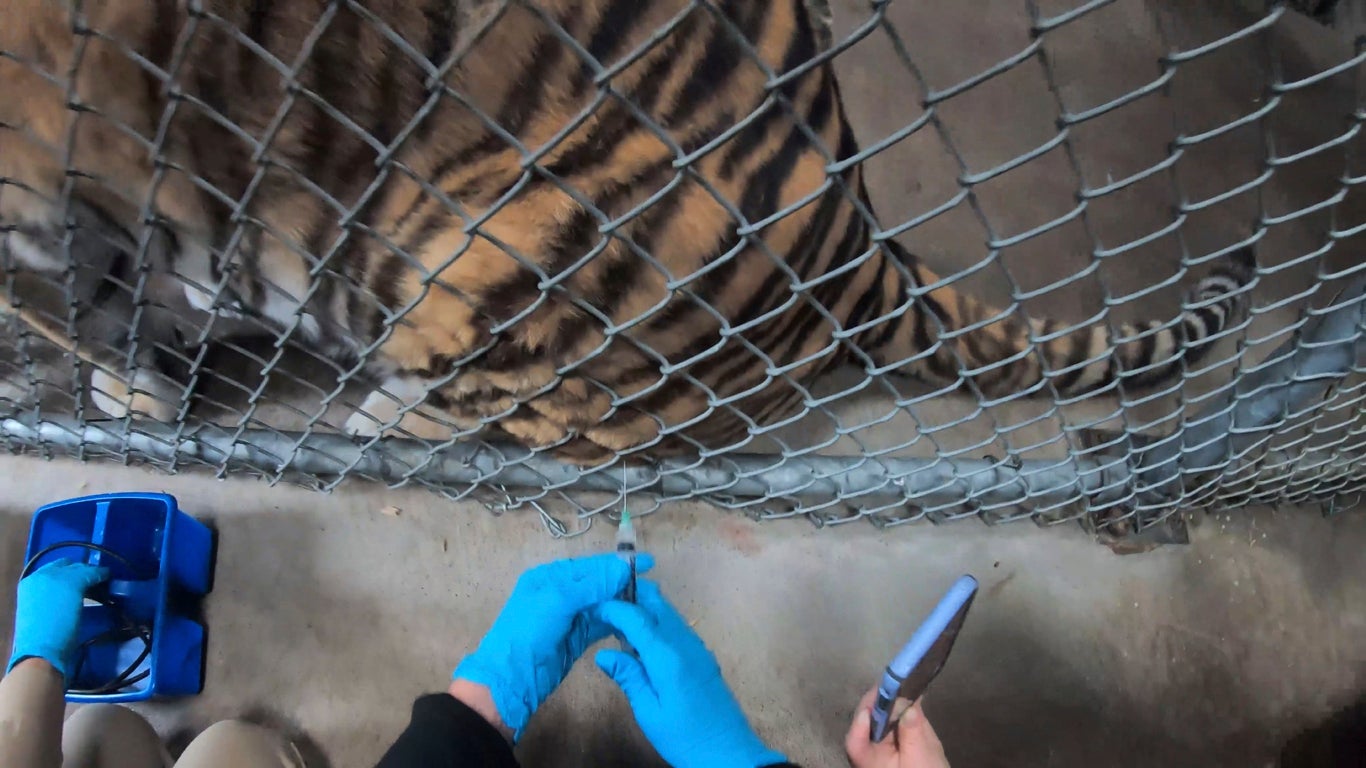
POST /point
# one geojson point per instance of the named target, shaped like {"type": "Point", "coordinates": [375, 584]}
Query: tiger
{"type": "Point", "coordinates": [98, 274]}
{"type": "Point", "coordinates": [1322, 11]}
{"type": "Point", "coordinates": [591, 227]}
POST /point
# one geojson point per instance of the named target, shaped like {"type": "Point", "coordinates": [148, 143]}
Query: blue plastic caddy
{"type": "Point", "coordinates": [164, 563]}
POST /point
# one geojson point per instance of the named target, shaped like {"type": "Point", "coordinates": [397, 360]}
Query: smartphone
{"type": "Point", "coordinates": [923, 656]}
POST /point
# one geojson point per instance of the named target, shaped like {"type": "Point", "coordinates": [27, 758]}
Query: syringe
{"type": "Point", "coordinates": [626, 550]}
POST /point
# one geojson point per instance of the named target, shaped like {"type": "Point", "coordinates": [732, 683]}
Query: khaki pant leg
{"type": "Point", "coordinates": [238, 744]}
{"type": "Point", "coordinates": [110, 736]}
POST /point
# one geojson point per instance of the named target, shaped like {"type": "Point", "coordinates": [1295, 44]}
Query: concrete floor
{"type": "Point", "coordinates": [329, 616]}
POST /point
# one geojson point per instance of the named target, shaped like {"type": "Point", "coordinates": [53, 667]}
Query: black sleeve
{"type": "Point", "coordinates": [444, 733]}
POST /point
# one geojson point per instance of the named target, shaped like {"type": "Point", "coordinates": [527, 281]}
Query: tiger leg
{"type": "Point", "coordinates": [146, 392]}
{"type": "Point", "coordinates": [395, 409]}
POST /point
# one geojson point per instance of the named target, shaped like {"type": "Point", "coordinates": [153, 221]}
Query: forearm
{"type": "Point", "coordinates": [478, 698]}
{"type": "Point", "coordinates": [457, 729]}
{"type": "Point", "coordinates": [31, 710]}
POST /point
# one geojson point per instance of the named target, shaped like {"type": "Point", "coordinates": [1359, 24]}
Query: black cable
{"type": "Point", "coordinates": [123, 680]}
{"type": "Point", "coordinates": [128, 631]}
{"type": "Point", "coordinates": [49, 549]}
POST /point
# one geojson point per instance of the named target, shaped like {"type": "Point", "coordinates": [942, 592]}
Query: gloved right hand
{"type": "Point", "coordinates": [49, 612]}
{"type": "Point", "coordinates": [544, 628]}
{"type": "Point", "coordinates": [675, 687]}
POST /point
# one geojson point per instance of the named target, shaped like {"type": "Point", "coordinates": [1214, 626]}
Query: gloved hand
{"type": "Point", "coordinates": [675, 688]}
{"type": "Point", "coordinates": [49, 610]}
{"type": "Point", "coordinates": [543, 629]}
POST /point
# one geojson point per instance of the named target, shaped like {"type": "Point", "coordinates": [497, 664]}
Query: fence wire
{"type": "Point", "coordinates": [1082, 162]}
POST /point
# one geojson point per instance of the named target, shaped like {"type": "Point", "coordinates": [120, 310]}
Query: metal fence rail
{"type": "Point", "coordinates": [1274, 416]}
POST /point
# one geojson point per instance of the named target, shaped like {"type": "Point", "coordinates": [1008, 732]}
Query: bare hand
{"type": "Point", "coordinates": [913, 744]}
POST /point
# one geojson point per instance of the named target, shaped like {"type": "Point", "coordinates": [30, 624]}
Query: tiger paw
{"type": "Point", "coordinates": [152, 395]}
{"type": "Point", "coordinates": [210, 303]}
{"type": "Point", "coordinates": [372, 415]}
{"type": "Point", "coordinates": [361, 424]}
{"type": "Point", "coordinates": [383, 413]}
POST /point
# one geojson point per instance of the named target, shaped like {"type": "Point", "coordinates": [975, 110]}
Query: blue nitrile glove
{"type": "Point", "coordinates": [49, 610]}
{"type": "Point", "coordinates": [543, 629]}
{"type": "Point", "coordinates": [675, 688]}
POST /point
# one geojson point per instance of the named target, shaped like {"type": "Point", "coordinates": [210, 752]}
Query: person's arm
{"type": "Point", "coordinates": [32, 694]}
{"type": "Point", "coordinates": [456, 729]}
{"type": "Point", "coordinates": [31, 709]}
{"type": "Point", "coordinates": [541, 632]}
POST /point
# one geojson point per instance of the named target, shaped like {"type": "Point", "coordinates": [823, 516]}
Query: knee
{"type": "Point", "coordinates": [100, 719]}
{"type": "Point", "coordinates": [238, 742]}
{"type": "Point", "coordinates": [98, 733]}
{"type": "Point", "coordinates": [235, 731]}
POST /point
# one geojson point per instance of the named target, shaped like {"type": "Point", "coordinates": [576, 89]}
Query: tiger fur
{"type": "Point", "coordinates": [389, 179]}
{"type": "Point", "coordinates": [91, 311]}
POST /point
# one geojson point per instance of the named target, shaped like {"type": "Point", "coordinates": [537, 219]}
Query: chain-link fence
{"type": "Point", "coordinates": [1078, 165]}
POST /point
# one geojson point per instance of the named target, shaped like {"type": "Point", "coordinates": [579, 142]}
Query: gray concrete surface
{"type": "Point", "coordinates": [328, 616]}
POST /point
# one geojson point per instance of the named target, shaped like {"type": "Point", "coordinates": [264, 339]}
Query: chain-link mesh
{"type": "Point", "coordinates": [1084, 162]}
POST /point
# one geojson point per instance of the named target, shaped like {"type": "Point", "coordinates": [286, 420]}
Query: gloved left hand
{"type": "Point", "coordinates": [49, 611]}
{"type": "Point", "coordinates": [543, 629]}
